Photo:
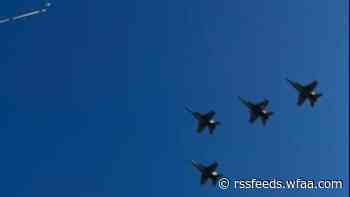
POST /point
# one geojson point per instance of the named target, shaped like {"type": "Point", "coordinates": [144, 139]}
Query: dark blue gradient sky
{"type": "Point", "coordinates": [92, 96]}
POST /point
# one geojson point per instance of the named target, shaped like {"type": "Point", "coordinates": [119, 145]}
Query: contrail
{"type": "Point", "coordinates": [21, 16]}
{"type": "Point", "coordinates": [4, 20]}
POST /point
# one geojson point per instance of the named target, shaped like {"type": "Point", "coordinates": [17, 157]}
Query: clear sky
{"type": "Point", "coordinates": [92, 96]}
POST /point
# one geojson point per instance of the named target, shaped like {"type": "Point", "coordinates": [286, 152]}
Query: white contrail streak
{"type": "Point", "coordinates": [26, 15]}
{"type": "Point", "coordinates": [6, 20]}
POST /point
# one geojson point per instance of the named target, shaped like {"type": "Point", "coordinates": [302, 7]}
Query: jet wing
{"type": "Point", "coordinates": [253, 117]}
{"type": "Point", "coordinates": [209, 115]}
{"type": "Point", "coordinates": [263, 104]}
{"type": "Point", "coordinates": [296, 85]}
{"type": "Point", "coordinates": [204, 179]}
{"type": "Point", "coordinates": [244, 102]}
{"type": "Point", "coordinates": [301, 99]}
{"type": "Point", "coordinates": [213, 166]}
{"type": "Point", "coordinates": [197, 115]}
{"type": "Point", "coordinates": [311, 86]}
{"type": "Point", "coordinates": [201, 126]}
{"type": "Point", "coordinates": [198, 166]}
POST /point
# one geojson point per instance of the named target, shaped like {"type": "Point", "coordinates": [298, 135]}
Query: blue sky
{"type": "Point", "coordinates": [92, 96]}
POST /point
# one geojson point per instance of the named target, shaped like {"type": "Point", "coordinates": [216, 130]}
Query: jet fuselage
{"type": "Point", "coordinates": [303, 91]}
{"type": "Point", "coordinates": [256, 109]}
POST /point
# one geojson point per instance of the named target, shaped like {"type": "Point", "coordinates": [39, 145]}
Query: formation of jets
{"type": "Point", "coordinates": [256, 110]}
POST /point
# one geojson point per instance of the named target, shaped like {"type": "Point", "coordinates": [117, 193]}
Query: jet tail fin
{"type": "Point", "coordinates": [213, 126]}
{"type": "Point", "coordinates": [266, 117]}
{"type": "Point", "coordinates": [314, 100]}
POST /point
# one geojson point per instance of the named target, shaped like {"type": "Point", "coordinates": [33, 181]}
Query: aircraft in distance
{"type": "Point", "coordinates": [205, 120]}
{"type": "Point", "coordinates": [306, 92]}
{"type": "Point", "coordinates": [207, 172]}
{"type": "Point", "coordinates": [257, 110]}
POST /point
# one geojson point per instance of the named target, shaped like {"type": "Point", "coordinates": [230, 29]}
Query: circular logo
{"type": "Point", "coordinates": [223, 183]}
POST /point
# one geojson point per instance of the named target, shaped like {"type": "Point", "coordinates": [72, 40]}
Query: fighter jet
{"type": "Point", "coordinates": [205, 120]}
{"type": "Point", "coordinates": [207, 172]}
{"type": "Point", "coordinates": [306, 92]}
{"type": "Point", "coordinates": [257, 110]}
